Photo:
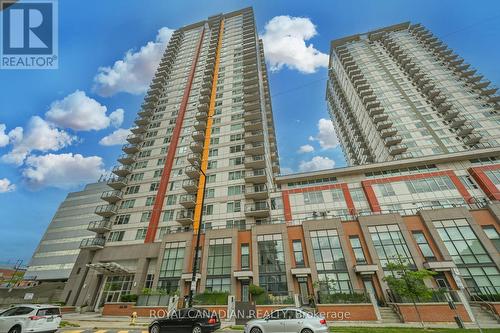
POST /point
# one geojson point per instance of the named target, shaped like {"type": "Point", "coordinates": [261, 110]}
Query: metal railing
{"type": "Point", "coordinates": [355, 296]}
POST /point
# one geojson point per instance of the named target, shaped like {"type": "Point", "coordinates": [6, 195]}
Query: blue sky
{"type": "Point", "coordinates": [93, 34]}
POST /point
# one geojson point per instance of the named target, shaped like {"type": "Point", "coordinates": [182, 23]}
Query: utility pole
{"type": "Point", "coordinates": [197, 248]}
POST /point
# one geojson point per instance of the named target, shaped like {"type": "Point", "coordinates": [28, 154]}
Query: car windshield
{"type": "Point", "coordinates": [48, 312]}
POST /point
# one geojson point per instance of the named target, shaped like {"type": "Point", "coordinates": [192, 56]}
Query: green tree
{"type": "Point", "coordinates": [409, 283]}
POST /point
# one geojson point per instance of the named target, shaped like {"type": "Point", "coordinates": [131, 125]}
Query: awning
{"type": "Point", "coordinates": [109, 268]}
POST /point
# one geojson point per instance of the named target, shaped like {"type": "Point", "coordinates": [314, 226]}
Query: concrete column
{"type": "Point", "coordinates": [140, 275]}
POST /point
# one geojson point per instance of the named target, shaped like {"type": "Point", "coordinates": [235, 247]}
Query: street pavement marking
{"type": "Point", "coordinates": [122, 332]}
{"type": "Point", "coordinates": [73, 331]}
{"type": "Point", "coordinates": [101, 331]}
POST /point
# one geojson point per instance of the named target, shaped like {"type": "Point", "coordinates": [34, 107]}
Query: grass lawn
{"type": "Point", "coordinates": [404, 330]}
{"type": "Point", "coordinates": [392, 330]}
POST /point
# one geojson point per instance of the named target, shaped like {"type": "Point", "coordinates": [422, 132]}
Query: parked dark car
{"type": "Point", "coordinates": [189, 320]}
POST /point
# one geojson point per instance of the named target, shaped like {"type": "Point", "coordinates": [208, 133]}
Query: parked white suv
{"type": "Point", "coordinates": [288, 320]}
{"type": "Point", "coordinates": [30, 318]}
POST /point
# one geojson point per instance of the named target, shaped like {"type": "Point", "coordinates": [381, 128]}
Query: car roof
{"type": "Point", "coordinates": [36, 306]}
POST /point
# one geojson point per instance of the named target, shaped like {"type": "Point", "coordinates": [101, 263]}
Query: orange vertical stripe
{"type": "Point", "coordinates": [208, 131]}
{"type": "Point", "coordinates": [167, 168]}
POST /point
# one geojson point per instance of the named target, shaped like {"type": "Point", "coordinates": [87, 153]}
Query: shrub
{"type": "Point", "coordinates": [211, 298]}
{"type": "Point", "coordinates": [128, 298]}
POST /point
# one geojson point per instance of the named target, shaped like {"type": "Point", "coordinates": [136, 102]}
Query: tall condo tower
{"type": "Point", "coordinates": [399, 92]}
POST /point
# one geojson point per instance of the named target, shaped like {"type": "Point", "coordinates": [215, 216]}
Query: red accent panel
{"type": "Point", "coordinates": [167, 168]}
{"type": "Point", "coordinates": [372, 198]}
{"type": "Point", "coordinates": [489, 188]}
{"type": "Point", "coordinates": [286, 206]}
{"type": "Point", "coordinates": [343, 186]}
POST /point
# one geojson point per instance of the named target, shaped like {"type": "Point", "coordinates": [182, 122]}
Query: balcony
{"type": "Point", "coordinates": [251, 106]}
{"type": "Point", "coordinates": [252, 116]}
{"type": "Point", "coordinates": [257, 192]}
{"type": "Point", "coordinates": [380, 117]}
{"type": "Point", "coordinates": [494, 99]}
{"type": "Point", "coordinates": [383, 125]}
{"type": "Point", "coordinates": [457, 122]}
{"type": "Point", "coordinates": [117, 182]}
{"type": "Point", "coordinates": [190, 185]}
{"type": "Point", "coordinates": [256, 136]}
{"type": "Point", "coordinates": [203, 107]}
{"type": "Point", "coordinates": [488, 91]}
{"type": "Point", "coordinates": [444, 107]}
{"type": "Point", "coordinates": [397, 149]}
{"type": "Point", "coordinates": [472, 139]}
{"type": "Point", "coordinates": [248, 89]}
{"type": "Point", "coordinates": [187, 200]}
{"type": "Point", "coordinates": [200, 125]}
{"type": "Point", "coordinates": [371, 105]}
{"type": "Point", "coordinates": [106, 210]}
{"type": "Point", "coordinates": [127, 159]}
{"type": "Point", "coordinates": [185, 217]}
{"type": "Point", "coordinates": [96, 243]}
{"type": "Point", "coordinates": [393, 140]}
{"type": "Point", "coordinates": [138, 129]}
{"type": "Point", "coordinates": [450, 115]}
{"type": "Point", "coordinates": [255, 161]}
{"type": "Point", "coordinates": [368, 99]}
{"type": "Point", "coordinates": [145, 112]}
{"type": "Point", "coordinates": [257, 209]}
{"type": "Point", "coordinates": [201, 116]}
{"type": "Point", "coordinates": [112, 196]}
{"type": "Point", "coordinates": [375, 111]}
{"type": "Point", "coordinates": [466, 129]}
{"type": "Point", "coordinates": [140, 121]}
{"type": "Point", "coordinates": [99, 227]}
{"type": "Point", "coordinates": [198, 136]}
{"type": "Point", "coordinates": [192, 172]}
{"type": "Point", "coordinates": [122, 170]}
{"type": "Point", "coordinates": [255, 148]}
{"type": "Point", "coordinates": [196, 147]}
{"type": "Point", "coordinates": [131, 148]}
{"type": "Point", "coordinates": [253, 125]}
{"type": "Point", "coordinates": [481, 84]}
{"type": "Point", "coordinates": [255, 176]}
{"type": "Point", "coordinates": [194, 159]}
{"type": "Point", "coordinates": [135, 138]}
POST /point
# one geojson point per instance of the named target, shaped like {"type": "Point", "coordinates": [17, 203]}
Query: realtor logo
{"type": "Point", "coordinates": [29, 34]}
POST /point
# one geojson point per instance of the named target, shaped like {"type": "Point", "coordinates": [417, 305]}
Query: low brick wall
{"type": "Point", "coordinates": [68, 309]}
{"type": "Point", "coordinates": [126, 309]}
{"type": "Point", "coordinates": [432, 312]}
{"type": "Point", "coordinates": [347, 312]}
{"type": "Point", "coordinates": [220, 310]}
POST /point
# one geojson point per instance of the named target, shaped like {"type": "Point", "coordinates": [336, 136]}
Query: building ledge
{"type": "Point", "coordinates": [189, 276]}
{"type": "Point", "coordinates": [439, 265]}
{"type": "Point", "coordinates": [243, 275]}
{"type": "Point", "coordinates": [305, 271]}
{"type": "Point", "coordinates": [366, 269]}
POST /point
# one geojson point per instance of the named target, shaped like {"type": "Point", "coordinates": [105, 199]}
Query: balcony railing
{"type": "Point", "coordinates": [122, 170]}
{"type": "Point", "coordinates": [187, 200]}
{"type": "Point", "coordinates": [100, 227]}
{"type": "Point", "coordinates": [92, 243]}
{"type": "Point", "coordinates": [117, 182]}
{"type": "Point", "coordinates": [112, 196]}
{"type": "Point", "coordinates": [106, 210]}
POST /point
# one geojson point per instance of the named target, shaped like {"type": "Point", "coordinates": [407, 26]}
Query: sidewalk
{"type": "Point", "coordinates": [97, 321]}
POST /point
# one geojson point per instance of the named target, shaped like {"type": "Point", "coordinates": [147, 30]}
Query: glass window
{"type": "Point", "coordinates": [476, 267]}
{"type": "Point", "coordinates": [330, 262]}
{"type": "Point", "coordinates": [245, 256]}
{"type": "Point", "coordinates": [492, 233]}
{"type": "Point", "coordinates": [423, 245]}
{"type": "Point", "coordinates": [390, 245]}
{"type": "Point", "coordinates": [359, 254]}
{"type": "Point", "coordinates": [115, 287]}
{"type": "Point", "coordinates": [141, 233]}
{"type": "Point", "coordinates": [272, 276]}
{"type": "Point", "coordinates": [171, 266]}
{"type": "Point", "coordinates": [219, 265]}
{"type": "Point", "coordinates": [297, 253]}
{"type": "Point", "coordinates": [313, 197]}
{"type": "Point", "coordinates": [337, 194]}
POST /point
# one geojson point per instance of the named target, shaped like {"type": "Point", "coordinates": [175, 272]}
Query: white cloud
{"type": "Point", "coordinates": [306, 149]}
{"type": "Point", "coordinates": [4, 138]}
{"type": "Point", "coordinates": [82, 113]}
{"type": "Point", "coordinates": [62, 171]}
{"type": "Point", "coordinates": [6, 186]}
{"type": "Point", "coordinates": [286, 171]}
{"type": "Point", "coordinates": [40, 135]}
{"type": "Point", "coordinates": [116, 117]}
{"type": "Point", "coordinates": [326, 136]}
{"type": "Point", "coordinates": [316, 163]}
{"type": "Point", "coordinates": [133, 73]}
{"type": "Point", "coordinates": [284, 41]}
{"type": "Point", "coordinates": [118, 137]}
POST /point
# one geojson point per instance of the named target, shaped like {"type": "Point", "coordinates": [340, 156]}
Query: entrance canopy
{"type": "Point", "coordinates": [109, 268]}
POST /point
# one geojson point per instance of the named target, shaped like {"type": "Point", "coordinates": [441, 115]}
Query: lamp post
{"type": "Point", "coordinates": [197, 248]}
